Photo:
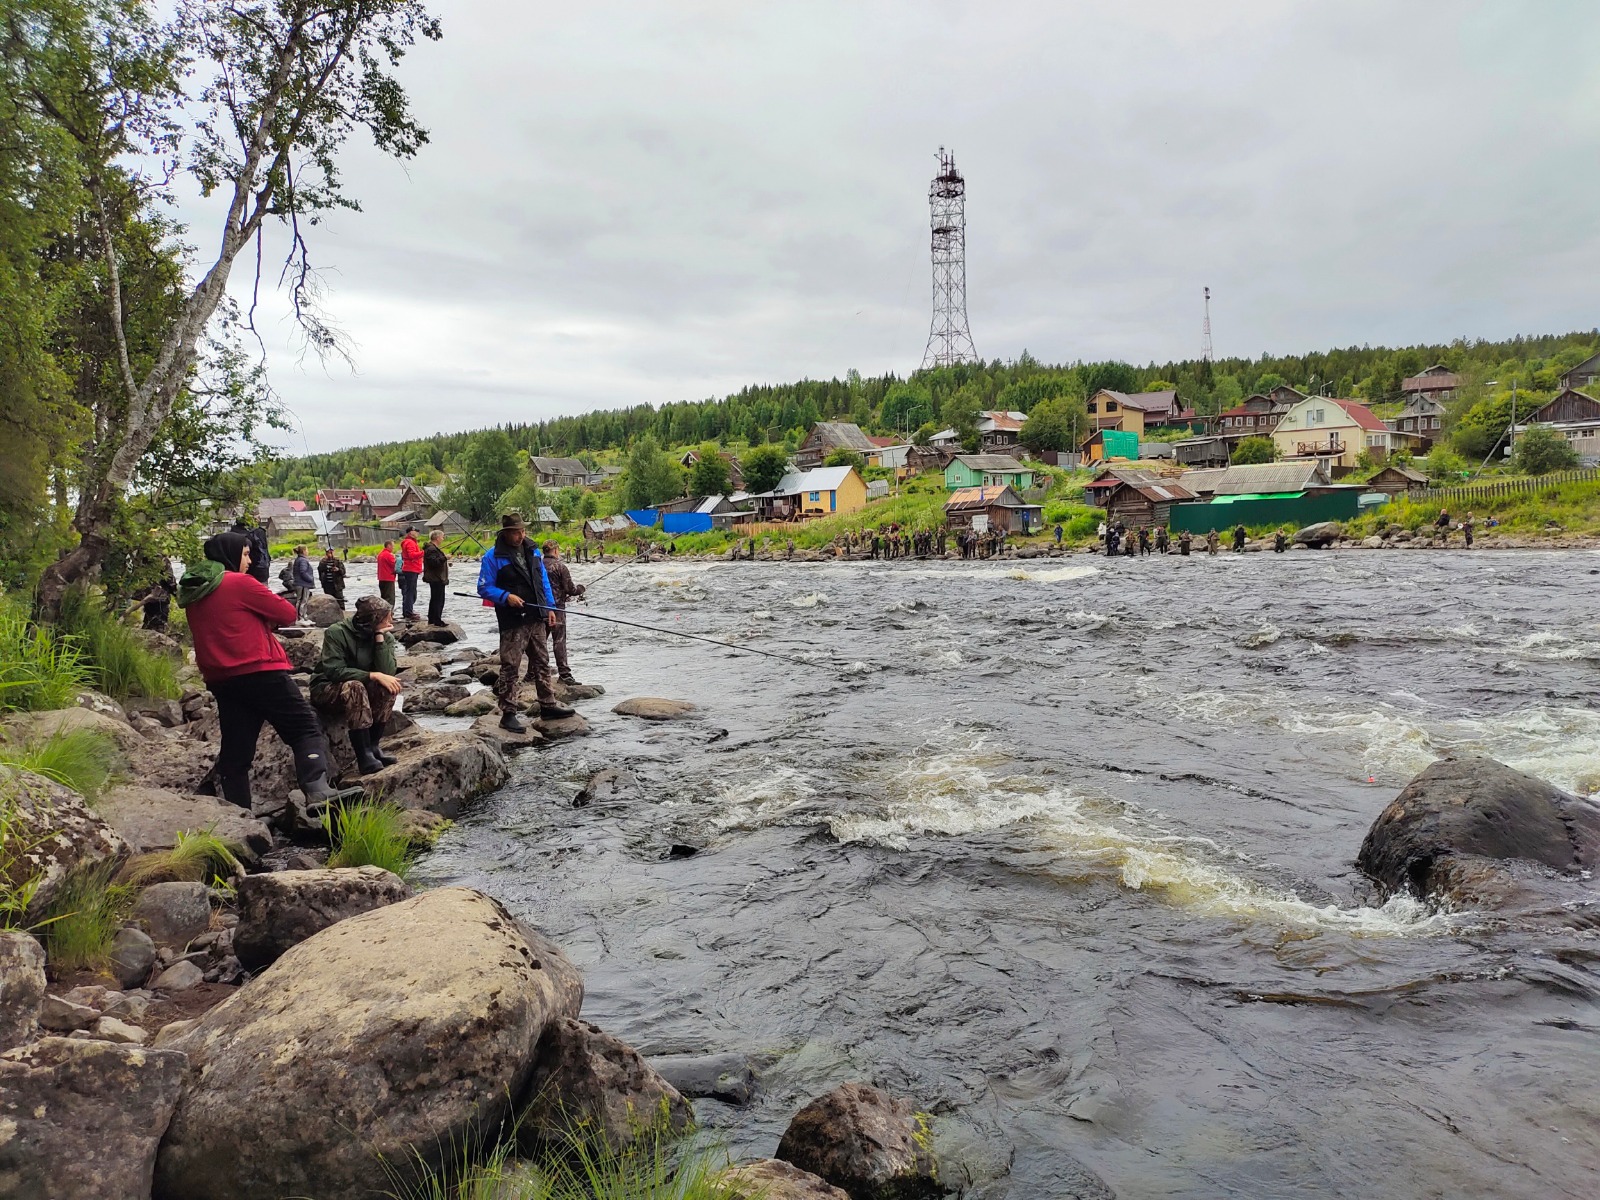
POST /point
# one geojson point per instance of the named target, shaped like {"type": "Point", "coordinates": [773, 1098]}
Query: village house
{"type": "Point", "coordinates": [448, 522]}
{"type": "Point", "coordinates": [1136, 412]}
{"type": "Point", "coordinates": [1146, 503]}
{"type": "Point", "coordinates": [378, 503]}
{"type": "Point", "coordinates": [1586, 374]}
{"type": "Point", "coordinates": [312, 528]}
{"type": "Point", "coordinates": [1100, 488]}
{"type": "Point", "coordinates": [608, 528]}
{"type": "Point", "coordinates": [1397, 479]}
{"type": "Point", "coordinates": [558, 472]}
{"type": "Point", "coordinates": [735, 473]}
{"type": "Point", "coordinates": [1422, 418]}
{"type": "Point", "coordinates": [1308, 475]}
{"type": "Point", "coordinates": [340, 500]}
{"type": "Point", "coordinates": [1000, 430]}
{"type": "Point", "coordinates": [1336, 431]}
{"type": "Point", "coordinates": [1256, 416]}
{"type": "Point", "coordinates": [992, 509]}
{"type": "Point", "coordinates": [826, 437]}
{"type": "Point", "coordinates": [818, 492]}
{"type": "Point", "coordinates": [1203, 451]}
{"type": "Point", "coordinates": [421, 498]}
{"type": "Point", "coordinates": [993, 470]}
{"type": "Point", "coordinates": [1576, 416]}
{"type": "Point", "coordinates": [1438, 382]}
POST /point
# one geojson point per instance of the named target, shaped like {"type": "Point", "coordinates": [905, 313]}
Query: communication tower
{"type": "Point", "coordinates": [1205, 335]}
{"type": "Point", "coordinates": [949, 340]}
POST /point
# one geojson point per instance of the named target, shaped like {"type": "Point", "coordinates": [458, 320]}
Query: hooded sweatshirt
{"type": "Point", "coordinates": [231, 618]}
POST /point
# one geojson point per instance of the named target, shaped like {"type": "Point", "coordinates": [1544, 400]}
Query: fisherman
{"type": "Point", "coordinates": [788, 550]}
{"type": "Point", "coordinates": [1211, 542]}
{"type": "Point", "coordinates": [1280, 541]}
{"type": "Point", "coordinates": [1466, 530]}
{"type": "Point", "coordinates": [564, 589]}
{"type": "Point", "coordinates": [1059, 532]}
{"type": "Point", "coordinates": [436, 574]}
{"type": "Point", "coordinates": [1163, 539]}
{"type": "Point", "coordinates": [1144, 540]}
{"type": "Point", "coordinates": [1442, 525]}
{"type": "Point", "coordinates": [944, 531]}
{"type": "Point", "coordinates": [355, 679]}
{"type": "Point", "coordinates": [331, 572]}
{"type": "Point", "coordinates": [387, 574]}
{"type": "Point", "coordinates": [410, 572]}
{"type": "Point", "coordinates": [1185, 540]}
{"type": "Point", "coordinates": [1239, 538]}
{"type": "Point", "coordinates": [1131, 548]}
{"type": "Point", "coordinates": [232, 617]}
{"type": "Point", "coordinates": [512, 578]}
{"type": "Point", "coordinates": [1111, 541]}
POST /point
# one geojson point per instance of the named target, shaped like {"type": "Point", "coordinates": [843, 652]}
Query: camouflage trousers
{"type": "Point", "coordinates": [517, 642]}
{"type": "Point", "coordinates": [362, 703]}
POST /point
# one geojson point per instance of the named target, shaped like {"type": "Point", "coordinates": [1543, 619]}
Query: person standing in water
{"type": "Point", "coordinates": [332, 572]}
{"type": "Point", "coordinates": [512, 578]}
{"type": "Point", "coordinates": [436, 574]}
{"type": "Point", "coordinates": [387, 575]}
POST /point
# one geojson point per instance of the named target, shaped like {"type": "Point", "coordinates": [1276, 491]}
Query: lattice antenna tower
{"type": "Point", "coordinates": [1205, 334]}
{"type": "Point", "coordinates": [949, 340]}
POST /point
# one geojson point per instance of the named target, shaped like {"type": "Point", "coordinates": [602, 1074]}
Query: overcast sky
{"type": "Point", "coordinates": [628, 203]}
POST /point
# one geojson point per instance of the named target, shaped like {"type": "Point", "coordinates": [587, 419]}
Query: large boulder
{"type": "Point", "coordinates": [35, 727]}
{"type": "Point", "coordinates": [1319, 535]}
{"type": "Point", "coordinates": [22, 985]}
{"type": "Point", "coordinates": [865, 1141]}
{"type": "Point", "coordinates": [322, 610]}
{"type": "Point", "coordinates": [1465, 824]}
{"type": "Point", "coordinates": [60, 836]}
{"type": "Point", "coordinates": [439, 772]}
{"type": "Point", "coordinates": [589, 1078]}
{"type": "Point", "coordinates": [770, 1179]}
{"type": "Point", "coordinates": [84, 1117]}
{"type": "Point", "coordinates": [281, 909]}
{"type": "Point", "coordinates": [375, 1049]}
{"type": "Point", "coordinates": [150, 819]}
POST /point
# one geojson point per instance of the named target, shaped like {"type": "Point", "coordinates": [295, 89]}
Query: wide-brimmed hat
{"type": "Point", "coordinates": [512, 520]}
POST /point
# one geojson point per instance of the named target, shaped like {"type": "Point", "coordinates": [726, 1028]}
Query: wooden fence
{"type": "Point", "coordinates": [1509, 487]}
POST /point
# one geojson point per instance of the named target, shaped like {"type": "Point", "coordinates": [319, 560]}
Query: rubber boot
{"type": "Point", "coordinates": [235, 789]}
{"type": "Point", "coordinates": [311, 769]}
{"type": "Point", "coordinates": [366, 763]}
{"type": "Point", "coordinates": [375, 746]}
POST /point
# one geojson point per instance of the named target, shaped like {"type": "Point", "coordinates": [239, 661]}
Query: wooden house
{"type": "Point", "coordinates": [986, 470]}
{"type": "Point", "coordinates": [558, 472]}
{"type": "Point", "coordinates": [985, 509]}
{"type": "Point", "coordinates": [1145, 503]}
{"type": "Point", "coordinates": [1109, 479]}
{"type": "Point", "coordinates": [1398, 480]}
{"type": "Point", "coordinates": [449, 522]}
{"type": "Point", "coordinates": [735, 473]}
{"type": "Point", "coordinates": [1255, 416]}
{"type": "Point", "coordinates": [826, 437]}
{"type": "Point", "coordinates": [1000, 430]}
{"type": "Point", "coordinates": [1576, 416]}
{"type": "Point", "coordinates": [1422, 417]}
{"type": "Point", "coordinates": [818, 492]}
{"type": "Point", "coordinates": [1438, 382]}
{"type": "Point", "coordinates": [1202, 451]}
{"type": "Point", "coordinates": [421, 498]}
{"type": "Point", "coordinates": [340, 500]}
{"type": "Point", "coordinates": [1585, 375]}
{"type": "Point", "coordinates": [378, 503]}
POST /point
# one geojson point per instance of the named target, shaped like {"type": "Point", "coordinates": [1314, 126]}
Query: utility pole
{"type": "Point", "coordinates": [1205, 329]}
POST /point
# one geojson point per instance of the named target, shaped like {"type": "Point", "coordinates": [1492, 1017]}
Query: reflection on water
{"type": "Point", "coordinates": [1063, 850]}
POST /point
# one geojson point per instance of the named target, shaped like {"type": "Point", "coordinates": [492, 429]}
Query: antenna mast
{"type": "Point", "coordinates": [949, 340]}
{"type": "Point", "coordinates": [1205, 336]}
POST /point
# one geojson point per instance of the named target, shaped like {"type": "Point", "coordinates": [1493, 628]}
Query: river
{"type": "Point", "coordinates": [1062, 850]}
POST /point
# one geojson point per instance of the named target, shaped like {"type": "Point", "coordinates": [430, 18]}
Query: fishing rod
{"type": "Point", "coordinates": [693, 637]}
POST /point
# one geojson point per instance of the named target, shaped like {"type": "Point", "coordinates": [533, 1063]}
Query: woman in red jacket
{"type": "Point", "coordinates": [232, 617]}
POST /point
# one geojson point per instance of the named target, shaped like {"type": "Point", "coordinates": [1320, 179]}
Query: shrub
{"type": "Point", "coordinates": [199, 857]}
{"type": "Point", "coordinates": [17, 873]}
{"type": "Point", "coordinates": [369, 833]}
{"type": "Point", "coordinates": [37, 671]}
{"type": "Point", "coordinates": [80, 759]}
{"type": "Point", "coordinates": [81, 921]}
{"type": "Point", "coordinates": [120, 664]}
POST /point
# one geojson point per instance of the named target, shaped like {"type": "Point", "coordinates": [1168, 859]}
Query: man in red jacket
{"type": "Point", "coordinates": [386, 573]}
{"type": "Point", "coordinates": [410, 571]}
{"type": "Point", "coordinates": [232, 618]}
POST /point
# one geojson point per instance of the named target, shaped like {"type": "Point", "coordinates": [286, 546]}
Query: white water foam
{"type": "Point", "coordinates": [1053, 574]}
{"type": "Point", "coordinates": [810, 600]}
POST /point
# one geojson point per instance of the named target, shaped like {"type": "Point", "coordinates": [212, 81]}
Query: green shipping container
{"type": "Point", "coordinates": [1296, 510]}
{"type": "Point", "coordinates": [1120, 444]}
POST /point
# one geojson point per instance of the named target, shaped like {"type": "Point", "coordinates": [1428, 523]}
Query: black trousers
{"type": "Point", "coordinates": [408, 592]}
{"type": "Point", "coordinates": [436, 603]}
{"type": "Point", "coordinates": [246, 702]}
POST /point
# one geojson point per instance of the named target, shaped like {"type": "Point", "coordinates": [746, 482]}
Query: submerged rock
{"type": "Point", "coordinates": [654, 708]}
{"type": "Point", "coordinates": [862, 1140]}
{"type": "Point", "coordinates": [727, 1077]}
{"type": "Point", "coordinates": [1460, 829]}
{"type": "Point", "coordinates": [82, 1117]}
{"type": "Point", "coordinates": [60, 835]}
{"type": "Point", "coordinates": [370, 1052]}
{"type": "Point", "coordinates": [609, 784]}
{"type": "Point", "coordinates": [284, 908]}
{"type": "Point", "coordinates": [22, 986]}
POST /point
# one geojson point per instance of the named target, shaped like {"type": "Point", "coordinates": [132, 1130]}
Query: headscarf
{"type": "Point", "coordinates": [371, 611]}
{"type": "Point", "coordinates": [226, 548]}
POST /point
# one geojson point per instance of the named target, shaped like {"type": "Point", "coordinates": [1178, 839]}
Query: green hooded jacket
{"type": "Point", "coordinates": [346, 655]}
{"type": "Point", "coordinates": [199, 581]}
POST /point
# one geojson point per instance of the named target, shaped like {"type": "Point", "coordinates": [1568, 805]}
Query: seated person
{"type": "Point", "coordinates": [356, 679]}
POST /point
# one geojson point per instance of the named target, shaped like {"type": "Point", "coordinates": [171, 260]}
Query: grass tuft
{"type": "Point", "coordinates": [37, 670]}
{"type": "Point", "coordinates": [369, 833]}
{"type": "Point", "coordinates": [80, 759]}
{"type": "Point", "coordinates": [119, 663]}
{"type": "Point", "coordinates": [81, 921]}
{"type": "Point", "coordinates": [199, 857]}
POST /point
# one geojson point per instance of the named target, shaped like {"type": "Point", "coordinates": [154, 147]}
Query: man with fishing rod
{"type": "Point", "coordinates": [512, 578]}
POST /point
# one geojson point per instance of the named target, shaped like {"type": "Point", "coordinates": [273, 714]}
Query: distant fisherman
{"type": "Point", "coordinates": [564, 589]}
{"type": "Point", "coordinates": [1185, 540]}
{"type": "Point", "coordinates": [1211, 542]}
{"type": "Point", "coordinates": [331, 572]}
{"type": "Point", "coordinates": [1239, 538]}
{"type": "Point", "coordinates": [1280, 542]}
{"type": "Point", "coordinates": [1163, 539]}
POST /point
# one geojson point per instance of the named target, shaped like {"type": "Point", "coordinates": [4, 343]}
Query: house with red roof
{"type": "Point", "coordinates": [1336, 432]}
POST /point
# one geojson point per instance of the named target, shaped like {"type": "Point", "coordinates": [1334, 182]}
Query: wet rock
{"type": "Point", "coordinates": [583, 1074]}
{"type": "Point", "coordinates": [284, 908]}
{"type": "Point", "coordinates": [419, 672]}
{"type": "Point", "coordinates": [421, 827]}
{"type": "Point", "coordinates": [474, 704]}
{"type": "Point", "coordinates": [179, 977]}
{"type": "Point", "coordinates": [22, 985]}
{"type": "Point", "coordinates": [364, 1055]}
{"type": "Point", "coordinates": [109, 1029]}
{"type": "Point", "coordinates": [304, 649]}
{"type": "Point", "coordinates": [608, 785]}
{"type": "Point", "coordinates": [173, 914]}
{"type": "Point", "coordinates": [438, 772]}
{"type": "Point", "coordinates": [577, 691]}
{"type": "Point", "coordinates": [436, 698]}
{"type": "Point", "coordinates": [83, 1118]}
{"type": "Point", "coordinates": [488, 728]}
{"type": "Point", "coordinates": [133, 957]}
{"type": "Point", "coordinates": [1319, 535]}
{"type": "Point", "coordinates": [168, 712]}
{"type": "Point", "coordinates": [440, 635]}
{"type": "Point", "coordinates": [770, 1179]}
{"type": "Point", "coordinates": [654, 708]}
{"type": "Point", "coordinates": [59, 833]}
{"type": "Point", "coordinates": [150, 819]}
{"type": "Point", "coordinates": [60, 1015]}
{"type": "Point", "coordinates": [862, 1140]}
{"type": "Point", "coordinates": [1456, 829]}
{"type": "Point", "coordinates": [323, 610]}
{"type": "Point", "coordinates": [1372, 543]}
{"type": "Point", "coordinates": [727, 1077]}
{"type": "Point", "coordinates": [563, 727]}
{"type": "Point", "coordinates": [295, 858]}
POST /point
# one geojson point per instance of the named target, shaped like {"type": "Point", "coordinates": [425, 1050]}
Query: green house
{"type": "Point", "coordinates": [986, 470]}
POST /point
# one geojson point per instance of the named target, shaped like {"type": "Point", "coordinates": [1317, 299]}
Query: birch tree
{"type": "Point", "coordinates": [249, 100]}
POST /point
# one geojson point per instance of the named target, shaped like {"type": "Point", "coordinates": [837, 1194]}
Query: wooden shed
{"type": "Point", "coordinates": [1396, 480]}
{"type": "Point", "coordinates": [992, 508]}
{"type": "Point", "coordinates": [1145, 504]}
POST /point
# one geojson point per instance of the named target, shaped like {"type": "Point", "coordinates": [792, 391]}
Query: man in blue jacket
{"type": "Point", "coordinates": [513, 579]}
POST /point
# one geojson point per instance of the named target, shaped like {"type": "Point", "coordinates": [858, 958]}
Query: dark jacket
{"type": "Point", "coordinates": [561, 582]}
{"type": "Point", "coordinates": [305, 575]}
{"type": "Point", "coordinates": [435, 564]}
{"type": "Point", "coordinates": [331, 572]}
{"type": "Point", "coordinates": [347, 655]}
{"type": "Point", "coordinates": [506, 572]}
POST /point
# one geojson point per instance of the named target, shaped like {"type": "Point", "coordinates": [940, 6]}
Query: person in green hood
{"type": "Point", "coordinates": [356, 679]}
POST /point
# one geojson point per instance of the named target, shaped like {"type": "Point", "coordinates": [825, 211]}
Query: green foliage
{"type": "Point", "coordinates": [845, 458]}
{"type": "Point", "coordinates": [763, 467]}
{"type": "Point", "coordinates": [198, 857]}
{"type": "Point", "coordinates": [1117, 376]}
{"type": "Point", "coordinates": [905, 407]}
{"type": "Point", "coordinates": [80, 759]}
{"type": "Point", "coordinates": [369, 833]}
{"type": "Point", "coordinates": [650, 477]}
{"type": "Point", "coordinates": [120, 664]}
{"type": "Point", "coordinates": [488, 470]}
{"type": "Point", "coordinates": [1255, 450]}
{"type": "Point", "coordinates": [1160, 385]}
{"type": "Point", "coordinates": [19, 876]}
{"type": "Point", "coordinates": [1540, 450]}
{"type": "Point", "coordinates": [82, 919]}
{"type": "Point", "coordinates": [37, 670]}
{"type": "Point", "coordinates": [1444, 465]}
{"type": "Point", "coordinates": [709, 475]}
{"type": "Point", "coordinates": [1055, 423]}
{"type": "Point", "coordinates": [960, 413]}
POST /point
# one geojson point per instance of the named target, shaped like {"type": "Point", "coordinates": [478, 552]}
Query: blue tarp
{"type": "Point", "coordinates": [686, 523]}
{"type": "Point", "coordinates": [642, 516]}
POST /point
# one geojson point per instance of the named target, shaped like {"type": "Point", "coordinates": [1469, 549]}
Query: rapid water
{"type": "Point", "coordinates": [1063, 850]}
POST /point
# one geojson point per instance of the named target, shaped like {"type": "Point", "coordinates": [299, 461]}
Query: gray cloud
{"type": "Point", "coordinates": [641, 202]}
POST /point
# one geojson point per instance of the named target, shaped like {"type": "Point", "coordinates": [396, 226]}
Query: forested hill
{"type": "Point", "coordinates": [889, 404]}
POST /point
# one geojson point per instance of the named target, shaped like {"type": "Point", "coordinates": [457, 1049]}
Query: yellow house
{"type": "Point", "coordinates": [1111, 410]}
{"type": "Point", "coordinates": [1335, 431]}
{"type": "Point", "coordinates": [821, 491]}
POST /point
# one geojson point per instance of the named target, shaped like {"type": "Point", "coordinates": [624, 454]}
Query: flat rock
{"type": "Point", "coordinates": [109, 1029]}
{"type": "Point", "coordinates": [83, 1118]}
{"type": "Point", "coordinates": [609, 785]}
{"type": "Point", "coordinates": [179, 977]}
{"type": "Point", "coordinates": [284, 908]}
{"type": "Point", "coordinates": [440, 635]}
{"type": "Point", "coordinates": [654, 708]}
{"type": "Point", "coordinates": [771, 1179]}
{"type": "Point", "coordinates": [474, 704]}
{"type": "Point", "coordinates": [488, 728]}
{"type": "Point", "coordinates": [577, 691]}
{"type": "Point", "coordinates": [59, 833]}
{"type": "Point", "coordinates": [366, 1054]}
{"type": "Point", "coordinates": [563, 727]}
{"type": "Point", "coordinates": [39, 726]}
{"type": "Point", "coordinates": [150, 819]}
{"type": "Point", "coordinates": [173, 914]}
{"type": "Point", "coordinates": [865, 1141]}
{"type": "Point", "coordinates": [425, 672]}
{"type": "Point", "coordinates": [22, 984]}
{"type": "Point", "coordinates": [439, 772]}
{"type": "Point", "coordinates": [60, 1015]}
{"type": "Point", "coordinates": [435, 698]}
{"type": "Point", "coordinates": [133, 957]}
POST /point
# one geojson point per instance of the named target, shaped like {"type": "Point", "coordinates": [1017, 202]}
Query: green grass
{"type": "Point", "coordinates": [19, 880]}
{"type": "Point", "coordinates": [37, 670]}
{"type": "Point", "coordinates": [369, 833]}
{"type": "Point", "coordinates": [198, 857]}
{"type": "Point", "coordinates": [1572, 507]}
{"type": "Point", "coordinates": [78, 926]}
{"type": "Point", "coordinates": [119, 663]}
{"type": "Point", "coordinates": [81, 759]}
